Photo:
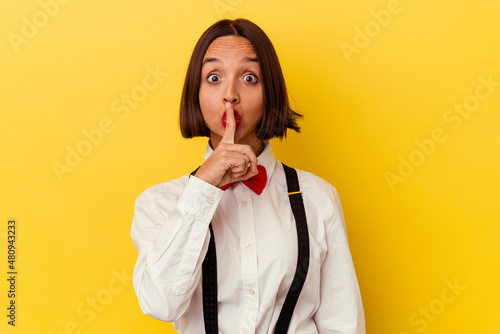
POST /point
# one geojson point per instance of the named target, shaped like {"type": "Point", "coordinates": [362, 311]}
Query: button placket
{"type": "Point", "coordinates": [248, 257]}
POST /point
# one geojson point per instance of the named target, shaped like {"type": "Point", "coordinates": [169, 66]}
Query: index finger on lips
{"type": "Point", "coordinates": [228, 136]}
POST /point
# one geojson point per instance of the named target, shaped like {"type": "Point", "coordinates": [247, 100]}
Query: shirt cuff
{"type": "Point", "coordinates": [200, 199]}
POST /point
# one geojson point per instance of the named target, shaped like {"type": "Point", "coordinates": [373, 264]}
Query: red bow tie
{"type": "Point", "coordinates": [255, 183]}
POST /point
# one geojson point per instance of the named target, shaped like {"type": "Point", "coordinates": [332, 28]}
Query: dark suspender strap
{"type": "Point", "coordinates": [209, 267]}
{"type": "Point", "coordinates": [297, 203]}
{"type": "Point", "coordinates": [209, 285]}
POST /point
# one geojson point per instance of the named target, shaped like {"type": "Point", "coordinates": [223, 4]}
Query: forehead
{"type": "Point", "coordinates": [233, 46]}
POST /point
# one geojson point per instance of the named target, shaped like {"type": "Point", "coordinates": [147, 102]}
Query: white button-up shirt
{"type": "Point", "coordinates": [256, 244]}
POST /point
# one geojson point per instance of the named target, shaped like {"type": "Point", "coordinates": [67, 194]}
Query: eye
{"type": "Point", "coordinates": [213, 78]}
{"type": "Point", "coordinates": [250, 78]}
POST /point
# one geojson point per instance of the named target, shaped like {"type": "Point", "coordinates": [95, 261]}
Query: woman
{"type": "Point", "coordinates": [243, 240]}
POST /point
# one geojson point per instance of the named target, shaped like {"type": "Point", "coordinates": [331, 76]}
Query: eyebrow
{"type": "Point", "coordinates": [217, 60]}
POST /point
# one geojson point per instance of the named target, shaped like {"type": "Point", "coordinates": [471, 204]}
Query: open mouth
{"type": "Point", "coordinates": [237, 118]}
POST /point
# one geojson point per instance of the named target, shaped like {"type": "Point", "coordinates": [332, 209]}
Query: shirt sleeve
{"type": "Point", "coordinates": [341, 307]}
{"type": "Point", "coordinates": [170, 232]}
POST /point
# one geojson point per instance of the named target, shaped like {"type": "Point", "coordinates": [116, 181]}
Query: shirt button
{"type": "Point", "coordinates": [211, 201]}
{"type": "Point", "coordinates": [251, 292]}
{"type": "Point", "coordinates": [244, 203]}
{"type": "Point", "coordinates": [247, 247]}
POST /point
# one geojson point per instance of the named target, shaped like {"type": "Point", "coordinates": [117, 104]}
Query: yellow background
{"type": "Point", "coordinates": [365, 111]}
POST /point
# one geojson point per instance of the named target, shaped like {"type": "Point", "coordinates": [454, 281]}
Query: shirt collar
{"type": "Point", "coordinates": [266, 159]}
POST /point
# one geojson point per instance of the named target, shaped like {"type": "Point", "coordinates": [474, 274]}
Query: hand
{"type": "Point", "coordinates": [229, 162]}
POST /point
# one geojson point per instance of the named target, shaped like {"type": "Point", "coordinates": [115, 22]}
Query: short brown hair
{"type": "Point", "coordinates": [278, 116]}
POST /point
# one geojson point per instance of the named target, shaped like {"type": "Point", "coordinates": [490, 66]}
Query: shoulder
{"type": "Point", "coordinates": [318, 193]}
{"type": "Point", "coordinates": [310, 182]}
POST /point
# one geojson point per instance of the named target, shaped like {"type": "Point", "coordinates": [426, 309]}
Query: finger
{"type": "Point", "coordinates": [228, 136]}
{"type": "Point", "coordinates": [244, 175]}
{"type": "Point", "coordinates": [244, 172]}
{"type": "Point", "coordinates": [238, 151]}
{"type": "Point", "coordinates": [240, 164]}
{"type": "Point", "coordinates": [247, 152]}
{"type": "Point", "coordinates": [247, 165]}
{"type": "Point", "coordinates": [252, 163]}
{"type": "Point", "coordinates": [251, 160]}
{"type": "Point", "coordinates": [238, 169]}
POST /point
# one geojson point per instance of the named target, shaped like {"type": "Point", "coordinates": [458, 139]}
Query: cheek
{"type": "Point", "coordinates": [257, 103]}
{"type": "Point", "coordinates": [208, 111]}
{"type": "Point", "coordinates": [205, 100]}
{"type": "Point", "coordinates": [202, 96]}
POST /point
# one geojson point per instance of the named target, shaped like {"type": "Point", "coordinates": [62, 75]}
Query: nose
{"type": "Point", "coordinates": [231, 93]}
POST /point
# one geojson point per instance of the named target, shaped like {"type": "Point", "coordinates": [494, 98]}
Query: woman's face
{"type": "Point", "coordinates": [231, 73]}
